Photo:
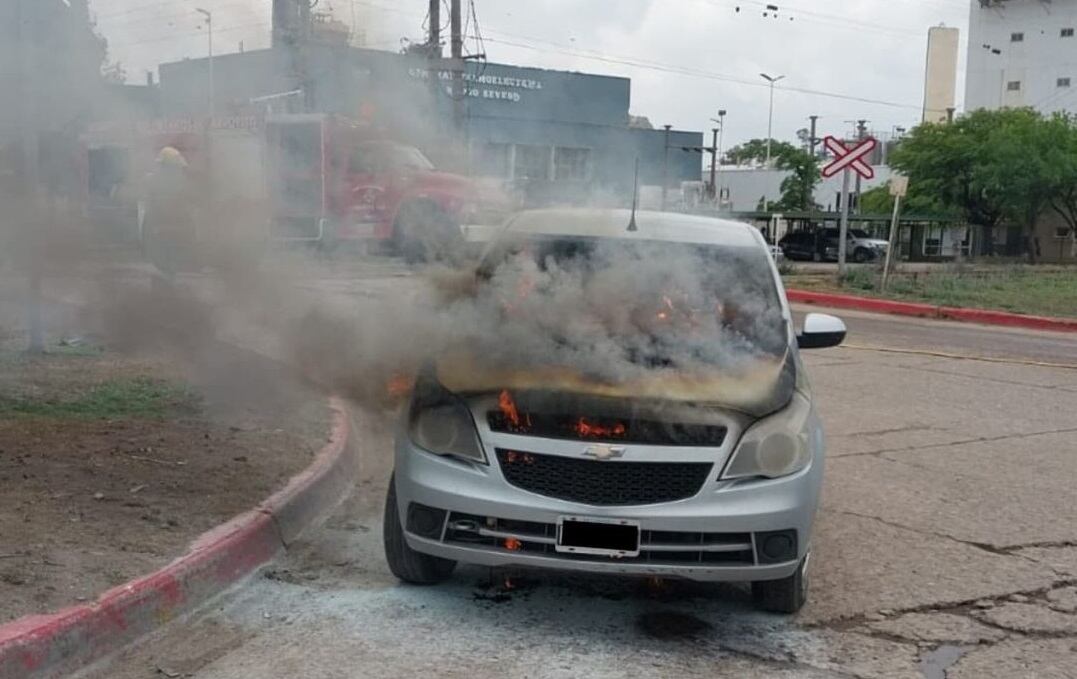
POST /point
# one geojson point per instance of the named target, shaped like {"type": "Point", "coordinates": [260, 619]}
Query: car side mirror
{"type": "Point", "coordinates": [821, 331]}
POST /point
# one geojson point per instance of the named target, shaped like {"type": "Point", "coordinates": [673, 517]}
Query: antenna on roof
{"type": "Point", "coordinates": [635, 200]}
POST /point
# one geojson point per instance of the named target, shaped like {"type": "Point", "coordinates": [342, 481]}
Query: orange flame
{"type": "Point", "coordinates": [525, 458]}
{"type": "Point", "coordinates": [587, 429]}
{"type": "Point", "coordinates": [399, 385]}
{"type": "Point", "coordinates": [512, 544]}
{"type": "Point", "coordinates": [508, 408]}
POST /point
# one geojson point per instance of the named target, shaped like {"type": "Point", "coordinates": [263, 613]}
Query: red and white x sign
{"type": "Point", "coordinates": [846, 157]}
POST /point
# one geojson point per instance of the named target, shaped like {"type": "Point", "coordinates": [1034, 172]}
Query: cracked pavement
{"type": "Point", "coordinates": [946, 546]}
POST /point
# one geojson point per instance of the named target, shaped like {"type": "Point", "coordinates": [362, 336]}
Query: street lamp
{"type": "Point", "coordinates": [209, 29]}
{"type": "Point", "coordinates": [716, 160]}
{"type": "Point", "coordinates": [773, 80]}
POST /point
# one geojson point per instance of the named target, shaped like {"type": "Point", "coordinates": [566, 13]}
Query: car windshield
{"type": "Point", "coordinates": [859, 233]}
{"type": "Point", "coordinates": [386, 157]}
{"type": "Point", "coordinates": [400, 157]}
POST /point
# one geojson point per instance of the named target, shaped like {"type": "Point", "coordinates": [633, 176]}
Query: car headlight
{"type": "Point", "coordinates": [440, 422]}
{"type": "Point", "coordinates": [774, 446]}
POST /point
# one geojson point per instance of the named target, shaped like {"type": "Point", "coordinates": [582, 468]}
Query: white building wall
{"type": "Point", "coordinates": [746, 186]}
{"type": "Point", "coordinates": [1022, 53]}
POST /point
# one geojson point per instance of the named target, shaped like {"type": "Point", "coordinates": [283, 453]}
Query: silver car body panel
{"type": "Point", "coordinates": [720, 506]}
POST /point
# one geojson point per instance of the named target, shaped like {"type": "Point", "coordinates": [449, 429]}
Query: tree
{"type": "Point", "coordinates": [1015, 165]}
{"type": "Point", "coordinates": [969, 167]}
{"type": "Point", "coordinates": [878, 201]}
{"type": "Point", "coordinates": [798, 188]}
{"type": "Point", "coordinates": [1061, 132]}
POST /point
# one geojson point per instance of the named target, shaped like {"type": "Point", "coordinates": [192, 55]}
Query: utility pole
{"type": "Point", "coordinates": [457, 52]}
{"type": "Point", "coordinates": [812, 141]}
{"type": "Point", "coordinates": [209, 30]}
{"type": "Point", "coordinates": [26, 21]}
{"type": "Point", "coordinates": [861, 133]}
{"type": "Point", "coordinates": [714, 162]}
{"type": "Point", "coordinates": [665, 169]}
{"type": "Point", "coordinates": [715, 183]}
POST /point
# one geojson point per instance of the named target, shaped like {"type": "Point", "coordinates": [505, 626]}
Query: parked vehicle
{"type": "Point", "coordinates": [338, 180]}
{"type": "Point", "coordinates": [707, 473]}
{"type": "Point", "coordinates": [822, 245]}
{"type": "Point", "coordinates": [316, 178]}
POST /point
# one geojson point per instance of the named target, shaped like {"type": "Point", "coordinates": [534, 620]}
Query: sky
{"type": "Point", "coordinates": [842, 60]}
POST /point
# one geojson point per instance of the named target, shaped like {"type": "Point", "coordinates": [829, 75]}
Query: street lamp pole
{"type": "Point", "coordinates": [209, 29]}
{"type": "Point", "coordinates": [773, 80]}
{"type": "Point", "coordinates": [717, 159]}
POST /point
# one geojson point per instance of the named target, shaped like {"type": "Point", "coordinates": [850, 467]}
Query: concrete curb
{"type": "Point", "coordinates": [887, 306]}
{"type": "Point", "coordinates": [50, 645]}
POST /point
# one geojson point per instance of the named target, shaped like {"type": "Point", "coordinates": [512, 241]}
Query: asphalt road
{"type": "Point", "coordinates": [946, 547]}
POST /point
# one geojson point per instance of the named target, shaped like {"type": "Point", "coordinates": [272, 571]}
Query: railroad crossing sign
{"type": "Point", "coordinates": [846, 158]}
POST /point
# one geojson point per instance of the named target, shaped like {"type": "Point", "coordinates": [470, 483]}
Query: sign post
{"type": "Point", "coordinates": [845, 159]}
{"type": "Point", "coordinates": [899, 187]}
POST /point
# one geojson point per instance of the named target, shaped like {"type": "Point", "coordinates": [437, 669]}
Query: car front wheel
{"type": "Point", "coordinates": [405, 563]}
{"type": "Point", "coordinates": [787, 595]}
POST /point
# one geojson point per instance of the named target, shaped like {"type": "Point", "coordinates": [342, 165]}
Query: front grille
{"type": "Point", "coordinates": [595, 482]}
{"type": "Point", "coordinates": [607, 429]}
{"type": "Point", "coordinates": [656, 547]}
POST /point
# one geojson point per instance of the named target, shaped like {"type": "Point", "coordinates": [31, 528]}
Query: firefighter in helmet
{"type": "Point", "coordinates": [169, 232]}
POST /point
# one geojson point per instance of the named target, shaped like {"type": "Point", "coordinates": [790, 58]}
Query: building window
{"type": "Point", "coordinates": [493, 160]}
{"type": "Point", "coordinates": [1062, 232]}
{"type": "Point", "coordinates": [572, 164]}
{"type": "Point", "coordinates": [1067, 32]}
{"type": "Point", "coordinates": [1063, 82]}
{"type": "Point", "coordinates": [1017, 37]}
{"type": "Point", "coordinates": [1014, 86]}
{"type": "Point", "coordinates": [532, 162]}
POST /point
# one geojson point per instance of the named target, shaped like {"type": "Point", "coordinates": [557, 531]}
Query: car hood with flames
{"type": "Point", "coordinates": [763, 386]}
{"type": "Point", "coordinates": [630, 317]}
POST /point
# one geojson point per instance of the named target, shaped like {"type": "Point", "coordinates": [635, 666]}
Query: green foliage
{"type": "Point", "coordinates": [991, 167]}
{"type": "Point", "coordinates": [799, 187]}
{"type": "Point", "coordinates": [128, 398]}
{"type": "Point", "coordinates": [859, 278]}
{"type": "Point", "coordinates": [1020, 289]}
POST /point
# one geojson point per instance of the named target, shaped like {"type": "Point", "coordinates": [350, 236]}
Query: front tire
{"type": "Point", "coordinates": [787, 595]}
{"type": "Point", "coordinates": [405, 563]}
{"type": "Point", "coordinates": [861, 255]}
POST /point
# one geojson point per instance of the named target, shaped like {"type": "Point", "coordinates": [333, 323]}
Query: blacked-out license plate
{"type": "Point", "coordinates": [605, 537]}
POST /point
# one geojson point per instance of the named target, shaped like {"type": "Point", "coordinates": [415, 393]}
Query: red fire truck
{"type": "Point", "coordinates": [307, 178]}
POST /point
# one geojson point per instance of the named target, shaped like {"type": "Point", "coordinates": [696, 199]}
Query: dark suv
{"type": "Point", "coordinates": [822, 245]}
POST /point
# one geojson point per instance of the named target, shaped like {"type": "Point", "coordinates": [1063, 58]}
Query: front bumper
{"type": "Point", "coordinates": [716, 535]}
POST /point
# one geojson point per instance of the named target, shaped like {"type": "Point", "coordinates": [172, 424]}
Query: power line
{"type": "Point", "coordinates": [697, 73]}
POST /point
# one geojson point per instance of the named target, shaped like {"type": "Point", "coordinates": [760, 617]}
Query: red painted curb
{"type": "Point", "coordinates": [50, 645]}
{"type": "Point", "coordinates": [887, 306]}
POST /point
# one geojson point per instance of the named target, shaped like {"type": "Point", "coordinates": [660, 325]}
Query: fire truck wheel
{"type": "Point", "coordinates": [425, 233]}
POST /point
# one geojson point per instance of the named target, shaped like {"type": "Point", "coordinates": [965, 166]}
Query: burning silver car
{"type": "Point", "coordinates": [661, 425]}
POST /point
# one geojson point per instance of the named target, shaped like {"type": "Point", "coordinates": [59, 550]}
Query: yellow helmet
{"type": "Point", "coordinates": [171, 156]}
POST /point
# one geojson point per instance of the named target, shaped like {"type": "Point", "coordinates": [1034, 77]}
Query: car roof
{"type": "Point", "coordinates": [651, 226]}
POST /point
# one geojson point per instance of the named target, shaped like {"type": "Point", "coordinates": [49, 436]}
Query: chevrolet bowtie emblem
{"type": "Point", "coordinates": [603, 451]}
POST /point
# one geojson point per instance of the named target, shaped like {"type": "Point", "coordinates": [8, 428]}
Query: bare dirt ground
{"type": "Point", "coordinates": [111, 465]}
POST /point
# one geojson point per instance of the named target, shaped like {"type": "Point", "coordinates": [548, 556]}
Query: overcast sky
{"type": "Point", "coordinates": [687, 58]}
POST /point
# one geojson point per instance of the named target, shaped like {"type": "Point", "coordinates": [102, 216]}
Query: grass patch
{"type": "Point", "coordinates": [1047, 293]}
{"type": "Point", "coordinates": [139, 397]}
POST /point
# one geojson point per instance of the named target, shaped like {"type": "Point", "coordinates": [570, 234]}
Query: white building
{"type": "Point", "coordinates": [940, 74]}
{"type": "Point", "coordinates": [1022, 53]}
